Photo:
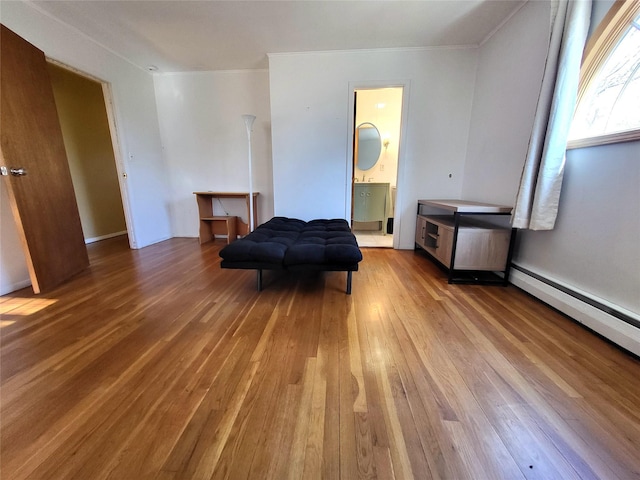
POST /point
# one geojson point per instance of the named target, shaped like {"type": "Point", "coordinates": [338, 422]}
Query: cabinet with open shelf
{"type": "Point", "coordinates": [465, 239]}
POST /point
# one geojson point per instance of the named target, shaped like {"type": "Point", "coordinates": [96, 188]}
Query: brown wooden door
{"type": "Point", "coordinates": [42, 200]}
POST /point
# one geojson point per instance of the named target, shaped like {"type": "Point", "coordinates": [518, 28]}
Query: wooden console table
{"type": "Point", "coordinates": [228, 225]}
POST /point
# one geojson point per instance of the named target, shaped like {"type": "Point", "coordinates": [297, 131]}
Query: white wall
{"type": "Point", "coordinates": [205, 141]}
{"type": "Point", "coordinates": [510, 67]}
{"type": "Point", "coordinates": [134, 103]}
{"type": "Point", "coordinates": [13, 266]}
{"type": "Point", "coordinates": [311, 112]}
{"type": "Point", "coordinates": [595, 246]}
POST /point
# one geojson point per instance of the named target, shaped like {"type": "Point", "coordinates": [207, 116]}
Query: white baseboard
{"type": "Point", "coordinates": [104, 237]}
{"type": "Point", "coordinates": [138, 246]}
{"type": "Point", "coordinates": [618, 331]}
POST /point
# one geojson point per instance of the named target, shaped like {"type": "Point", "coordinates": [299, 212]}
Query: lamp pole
{"type": "Point", "coordinates": [248, 122]}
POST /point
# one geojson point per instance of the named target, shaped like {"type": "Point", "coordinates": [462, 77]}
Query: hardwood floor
{"type": "Point", "coordinates": [157, 364]}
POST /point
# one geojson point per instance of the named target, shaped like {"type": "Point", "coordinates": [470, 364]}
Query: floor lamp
{"type": "Point", "coordinates": [248, 122]}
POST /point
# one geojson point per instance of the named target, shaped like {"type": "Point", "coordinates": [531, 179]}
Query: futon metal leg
{"type": "Point", "coordinates": [349, 282]}
{"type": "Point", "coordinates": [259, 280]}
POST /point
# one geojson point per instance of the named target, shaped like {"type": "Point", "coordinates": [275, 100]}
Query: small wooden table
{"type": "Point", "coordinates": [228, 225]}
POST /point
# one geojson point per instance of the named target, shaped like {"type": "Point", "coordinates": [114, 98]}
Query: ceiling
{"type": "Point", "coordinates": [187, 35]}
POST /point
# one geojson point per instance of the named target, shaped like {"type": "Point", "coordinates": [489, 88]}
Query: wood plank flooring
{"type": "Point", "coordinates": [157, 364]}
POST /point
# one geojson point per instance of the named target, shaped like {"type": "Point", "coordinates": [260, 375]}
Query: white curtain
{"type": "Point", "coordinates": [537, 201]}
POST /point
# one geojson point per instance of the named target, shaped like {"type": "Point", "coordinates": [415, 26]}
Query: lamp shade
{"type": "Point", "coordinates": [248, 122]}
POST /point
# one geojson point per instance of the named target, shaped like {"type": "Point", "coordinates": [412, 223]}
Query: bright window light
{"type": "Point", "coordinates": [611, 103]}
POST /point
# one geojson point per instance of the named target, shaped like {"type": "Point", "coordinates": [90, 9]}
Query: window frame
{"type": "Point", "coordinates": [604, 40]}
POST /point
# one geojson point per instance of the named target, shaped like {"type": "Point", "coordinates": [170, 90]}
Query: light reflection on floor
{"type": "Point", "coordinates": [22, 306]}
{"type": "Point", "coordinates": [371, 238]}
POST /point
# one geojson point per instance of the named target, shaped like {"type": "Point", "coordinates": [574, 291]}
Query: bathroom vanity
{"type": "Point", "coordinates": [371, 202]}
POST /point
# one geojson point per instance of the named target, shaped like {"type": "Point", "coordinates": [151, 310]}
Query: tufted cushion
{"type": "Point", "coordinates": [267, 243]}
{"type": "Point", "coordinates": [291, 242]}
{"type": "Point", "coordinates": [323, 242]}
{"type": "Point", "coordinates": [284, 224]}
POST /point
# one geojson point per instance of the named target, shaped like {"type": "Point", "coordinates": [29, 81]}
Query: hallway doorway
{"type": "Point", "coordinates": [377, 128]}
{"type": "Point", "coordinates": [83, 116]}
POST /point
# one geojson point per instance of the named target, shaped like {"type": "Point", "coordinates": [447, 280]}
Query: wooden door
{"type": "Point", "coordinates": [42, 198]}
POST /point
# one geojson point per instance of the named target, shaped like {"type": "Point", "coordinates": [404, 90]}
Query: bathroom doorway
{"type": "Point", "coordinates": [377, 127]}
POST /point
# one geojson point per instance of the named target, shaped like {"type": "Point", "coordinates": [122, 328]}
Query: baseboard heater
{"type": "Point", "coordinates": [614, 324]}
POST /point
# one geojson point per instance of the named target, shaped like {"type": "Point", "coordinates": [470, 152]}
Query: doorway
{"type": "Point", "coordinates": [377, 128]}
{"type": "Point", "coordinates": [84, 121]}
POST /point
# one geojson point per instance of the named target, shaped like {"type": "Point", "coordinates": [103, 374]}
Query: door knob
{"type": "Point", "coordinates": [17, 172]}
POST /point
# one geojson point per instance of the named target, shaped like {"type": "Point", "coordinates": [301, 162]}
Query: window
{"type": "Point", "coordinates": [608, 109]}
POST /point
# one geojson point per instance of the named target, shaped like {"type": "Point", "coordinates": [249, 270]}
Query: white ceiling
{"type": "Point", "coordinates": [186, 35]}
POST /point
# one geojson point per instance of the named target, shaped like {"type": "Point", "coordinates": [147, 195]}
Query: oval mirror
{"type": "Point", "coordinates": [368, 145]}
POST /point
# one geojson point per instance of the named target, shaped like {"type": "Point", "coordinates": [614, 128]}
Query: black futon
{"type": "Point", "coordinates": [290, 244]}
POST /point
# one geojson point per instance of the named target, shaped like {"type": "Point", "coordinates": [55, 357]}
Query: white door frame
{"type": "Point", "coordinates": [401, 173]}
